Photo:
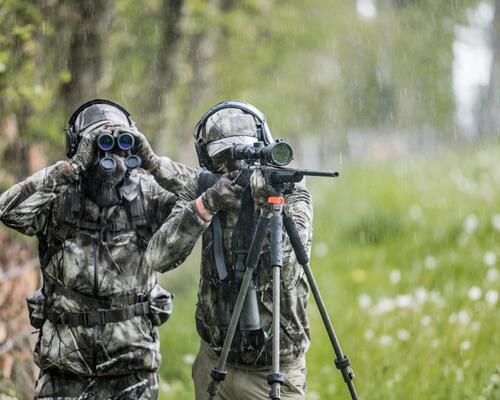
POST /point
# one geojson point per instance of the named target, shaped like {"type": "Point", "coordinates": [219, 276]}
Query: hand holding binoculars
{"type": "Point", "coordinates": [120, 140]}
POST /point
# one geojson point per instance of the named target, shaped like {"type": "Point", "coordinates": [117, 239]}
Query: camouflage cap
{"type": "Point", "coordinates": [227, 127]}
{"type": "Point", "coordinates": [99, 112]}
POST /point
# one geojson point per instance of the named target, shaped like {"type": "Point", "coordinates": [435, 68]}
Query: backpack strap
{"type": "Point", "coordinates": [207, 179]}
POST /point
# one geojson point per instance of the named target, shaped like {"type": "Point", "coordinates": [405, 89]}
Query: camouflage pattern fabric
{"type": "Point", "coordinates": [136, 386]}
{"type": "Point", "coordinates": [93, 263]}
{"type": "Point", "coordinates": [229, 122]}
{"type": "Point", "coordinates": [174, 241]}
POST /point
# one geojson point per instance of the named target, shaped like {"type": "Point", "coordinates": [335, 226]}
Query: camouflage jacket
{"type": "Point", "coordinates": [174, 241]}
{"type": "Point", "coordinates": [92, 263]}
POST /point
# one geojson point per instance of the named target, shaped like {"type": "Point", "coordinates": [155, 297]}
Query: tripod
{"type": "Point", "coordinates": [274, 216]}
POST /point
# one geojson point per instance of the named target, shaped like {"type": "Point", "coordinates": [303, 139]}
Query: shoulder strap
{"type": "Point", "coordinates": [140, 220]}
{"type": "Point", "coordinates": [207, 179]}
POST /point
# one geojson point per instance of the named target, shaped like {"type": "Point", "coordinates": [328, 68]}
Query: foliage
{"type": "Point", "coordinates": [414, 308]}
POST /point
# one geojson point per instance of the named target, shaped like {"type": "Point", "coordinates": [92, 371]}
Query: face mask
{"type": "Point", "coordinates": [102, 185]}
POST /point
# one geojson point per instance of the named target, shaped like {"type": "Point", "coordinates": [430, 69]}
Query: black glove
{"type": "Point", "coordinates": [224, 195]}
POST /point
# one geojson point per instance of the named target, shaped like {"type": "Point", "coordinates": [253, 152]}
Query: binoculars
{"type": "Point", "coordinates": [125, 142]}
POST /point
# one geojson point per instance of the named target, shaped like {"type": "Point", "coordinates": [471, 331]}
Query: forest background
{"type": "Point", "coordinates": [401, 95]}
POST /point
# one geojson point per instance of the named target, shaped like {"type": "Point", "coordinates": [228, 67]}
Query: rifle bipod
{"type": "Point", "coordinates": [273, 214]}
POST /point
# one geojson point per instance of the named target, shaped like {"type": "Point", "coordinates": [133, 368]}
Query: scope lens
{"type": "Point", "coordinates": [133, 162]}
{"type": "Point", "coordinates": [281, 153]}
{"type": "Point", "coordinates": [125, 141]}
{"type": "Point", "coordinates": [105, 141]}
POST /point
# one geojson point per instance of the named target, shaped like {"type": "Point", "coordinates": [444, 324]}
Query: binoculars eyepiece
{"type": "Point", "coordinates": [124, 141]}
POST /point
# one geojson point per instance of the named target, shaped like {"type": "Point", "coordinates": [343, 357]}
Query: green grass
{"type": "Point", "coordinates": [404, 254]}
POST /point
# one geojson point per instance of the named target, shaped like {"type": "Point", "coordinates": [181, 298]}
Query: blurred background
{"type": "Point", "coordinates": [402, 96]}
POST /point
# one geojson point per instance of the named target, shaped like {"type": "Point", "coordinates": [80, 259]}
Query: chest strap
{"type": "Point", "coordinates": [100, 317]}
{"type": "Point", "coordinates": [97, 302]}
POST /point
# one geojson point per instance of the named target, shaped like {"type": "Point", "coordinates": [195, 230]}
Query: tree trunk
{"type": "Point", "coordinates": [492, 125]}
{"type": "Point", "coordinates": [85, 52]}
{"type": "Point", "coordinates": [164, 71]}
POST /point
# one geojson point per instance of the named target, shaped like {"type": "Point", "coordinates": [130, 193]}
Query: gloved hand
{"type": "Point", "coordinates": [224, 195]}
{"type": "Point", "coordinates": [150, 160]}
{"type": "Point", "coordinates": [259, 188]}
{"type": "Point", "coordinates": [86, 153]}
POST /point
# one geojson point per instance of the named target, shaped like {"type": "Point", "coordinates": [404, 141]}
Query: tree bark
{"type": "Point", "coordinates": [91, 19]}
{"type": "Point", "coordinates": [492, 125]}
{"type": "Point", "coordinates": [164, 70]}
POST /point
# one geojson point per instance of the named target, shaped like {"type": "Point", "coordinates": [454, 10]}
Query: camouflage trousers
{"type": "Point", "coordinates": [246, 383]}
{"type": "Point", "coordinates": [135, 386]}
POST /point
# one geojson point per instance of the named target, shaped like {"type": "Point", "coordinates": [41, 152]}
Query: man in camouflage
{"type": "Point", "coordinates": [191, 217]}
{"type": "Point", "coordinates": [99, 304]}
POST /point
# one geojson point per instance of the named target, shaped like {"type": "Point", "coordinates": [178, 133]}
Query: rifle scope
{"type": "Point", "coordinates": [279, 153]}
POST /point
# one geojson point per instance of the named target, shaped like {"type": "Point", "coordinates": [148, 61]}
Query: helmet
{"type": "Point", "coordinates": [89, 114]}
{"type": "Point", "coordinates": [228, 123]}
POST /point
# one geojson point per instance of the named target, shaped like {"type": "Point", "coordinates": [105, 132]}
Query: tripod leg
{"type": "Point", "coordinates": [276, 378]}
{"type": "Point", "coordinates": [218, 374]}
{"type": "Point", "coordinates": [342, 361]}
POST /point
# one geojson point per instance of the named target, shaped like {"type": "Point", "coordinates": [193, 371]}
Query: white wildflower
{"type": "Point", "coordinates": [403, 335]}
{"type": "Point", "coordinates": [495, 221]}
{"type": "Point", "coordinates": [385, 340]}
{"type": "Point", "coordinates": [475, 326]}
{"type": "Point", "coordinates": [369, 334]}
{"type": "Point", "coordinates": [313, 395]}
{"type": "Point", "coordinates": [491, 297]}
{"type": "Point", "coordinates": [364, 301]}
{"type": "Point", "coordinates": [459, 375]}
{"type": "Point", "coordinates": [404, 301]}
{"type": "Point", "coordinates": [471, 223]}
{"type": "Point", "coordinates": [463, 317]}
{"type": "Point", "coordinates": [465, 345]}
{"type": "Point", "coordinates": [492, 275]}
{"type": "Point", "coordinates": [421, 294]}
{"type": "Point", "coordinates": [426, 321]}
{"type": "Point", "coordinates": [321, 250]}
{"type": "Point", "coordinates": [188, 359]}
{"type": "Point", "coordinates": [395, 276]}
{"type": "Point", "coordinates": [475, 293]}
{"type": "Point", "coordinates": [490, 258]}
{"type": "Point", "coordinates": [384, 305]}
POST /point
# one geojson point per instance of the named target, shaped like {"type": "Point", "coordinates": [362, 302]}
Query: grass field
{"type": "Point", "coordinates": [405, 254]}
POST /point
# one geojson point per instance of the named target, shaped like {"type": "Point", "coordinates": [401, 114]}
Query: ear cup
{"type": "Point", "coordinates": [201, 152]}
{"type": "Point", "coordinates": [71, 142]}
